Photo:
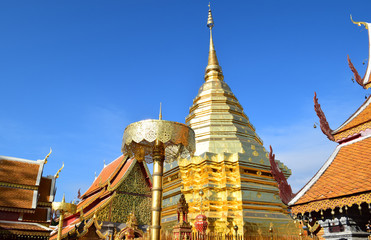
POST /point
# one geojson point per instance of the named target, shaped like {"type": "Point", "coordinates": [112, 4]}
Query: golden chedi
{"type": "Point", "coordinates": [230, 165]}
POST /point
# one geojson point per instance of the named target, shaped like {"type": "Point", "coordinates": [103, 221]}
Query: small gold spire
{"type": "Point", "coordinates": [213, 70]}
{"type": "Point", "coordinates": [63, 199]}
{"type": "Point", "coordinates": [160, 114]}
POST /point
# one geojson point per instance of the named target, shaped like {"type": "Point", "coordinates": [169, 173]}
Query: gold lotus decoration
{"type": "Point", "coordinates": [140, 137]}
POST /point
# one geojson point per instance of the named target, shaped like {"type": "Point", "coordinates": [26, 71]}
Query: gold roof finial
{"type": "Point", "coordinates": [160, 114]}
{"type": "Point", "coordinates": [358, 23]}
{"type": "Point", "coordinates": [213, 70]}
{"type": "Point", "coordinates": [47, 156]}
{"type": "Point", "coordinates": [57, 174]}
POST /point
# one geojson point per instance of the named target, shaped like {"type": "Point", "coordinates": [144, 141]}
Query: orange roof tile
{"type": "Point", "coordinates": [121, 174]}
{"type": "Point", "coordinates": [17, 198]}
{"type": "Point", "coordinates": [90, 199]}
{"type": "Point", "coordinates": [8, 225]}
{"type": "Point", "coordinates": [347, 172]}
{"type": "Point", "coordinates": [361, 116]}
{"type": "Point", "coordinates": [106, 173]}
{"type": "Point", "coordinates": [19, 172]}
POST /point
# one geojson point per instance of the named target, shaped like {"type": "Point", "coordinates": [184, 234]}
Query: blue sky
{"type": "Point", "coordinates": [74, 74]}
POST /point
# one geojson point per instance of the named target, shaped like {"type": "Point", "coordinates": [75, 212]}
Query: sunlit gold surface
{"type": "Point", "coordinates": [63, 208]}
{"type": "Point", "coordinates": [230, 165]}
{"type": "Point", "coordinates": [140, 137]}
{"type": "Point", "coordinates": [156, 141]}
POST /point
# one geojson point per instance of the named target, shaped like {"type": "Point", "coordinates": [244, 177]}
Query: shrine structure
{"type": "Point", "coordinates": [25, 199]}
{"type": "Point", "coordinates": [338, 197]}
{"type": "Point", "coordinates": [120, 194]}
{"type": "Point", "coordinates": [230, 165]}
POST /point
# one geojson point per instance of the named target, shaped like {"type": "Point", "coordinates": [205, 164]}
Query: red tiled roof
{"type": "Point", "coordinates": [98, 195]}
{"type": "Point", "coordinates": [16, 198]}
{"type": "Point", "coordinates": [120, 175]}
{"type": "Point", "coordinates": [348, 173]}
{"type": "Point", "coordinates": [361, 116]}
{"type": "Point", "coordinates": [19, 172]}
{"type": "Point", "coordinates": [87, 201]}
{"type": "Point", "coordinates": [106, 173]}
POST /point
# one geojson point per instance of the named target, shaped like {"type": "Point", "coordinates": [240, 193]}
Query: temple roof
{"type": "Point", "coordinates": [359, 122]}
{"type": "Point", "coordinates": [20, 171]}
{"type": "Point", "coordinates": [102, 191]}
{"type": "Point", "coordinates": [18, 198]}
{"type": "Point", "coordinates": [22, 186]}
{"type": "Point", "coordinates": [23, 229]}
{"type": "Point", "coordinates": [106, 173]}
{"type": "Point", "coordinates": [345, 173]}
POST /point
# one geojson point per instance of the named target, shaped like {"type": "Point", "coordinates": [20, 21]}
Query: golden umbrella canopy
{"type": "Point", "coordinates": [140, 138]}
{"type": "Point", "coordinates": [158, 141]}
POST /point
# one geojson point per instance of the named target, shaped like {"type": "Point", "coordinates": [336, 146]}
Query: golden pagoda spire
{"type": "Point", "coordinates": [160, 114]}
{"type": "Point", "coordinates": [213, 70]}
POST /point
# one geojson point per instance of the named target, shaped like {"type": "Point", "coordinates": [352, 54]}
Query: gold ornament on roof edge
{"type": "Point", "coordinates": [359, 23]}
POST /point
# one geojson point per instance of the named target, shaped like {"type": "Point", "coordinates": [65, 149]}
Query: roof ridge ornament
{"type": "Point", "coordinates": [359, 23]}
{"type": "Point", "coordinates": [57, 174]}
{"type": "Point", "coordinates": [357, 77]}
{"type": "Point", "coordinates": [365, 82]}
{"type": "Point", "coordinates": [47, 156]}
{"type": "Point", "coordinates": [284, 187]}
{"type": "Point", "coordinates": [325, 127]}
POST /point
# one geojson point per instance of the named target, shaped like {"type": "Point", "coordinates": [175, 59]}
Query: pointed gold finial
{"type": "Point", "coordinates": [47, 156]}
{"type": "Point", "coordinates": [57, 174]}
{"type": "Point", "coordinates": [359, 23]}
{"type": "Point", "coordinates": [63, 199]}
{"type": "Point", "coordinates": [210, 21]}
{"type": "Point", "coordinates": [160, 114]}
{"type": "Point", "coordinates": [213, 70]}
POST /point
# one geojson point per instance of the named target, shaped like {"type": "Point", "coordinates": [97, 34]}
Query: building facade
{"type": "Point", "coordinates": [120, 193]}
{"type": "Point", "coordinates": [336, 201]}
{"type": "Point", "coordinates": [25, 199]}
